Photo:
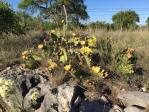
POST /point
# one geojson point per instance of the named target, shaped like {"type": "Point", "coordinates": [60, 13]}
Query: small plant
{"type": "Point", "coordinates": [68, 53]}
{"type": "Point", "coordinates": [126, 61]}
{"type": "Point", "coordinates": [32, 59]}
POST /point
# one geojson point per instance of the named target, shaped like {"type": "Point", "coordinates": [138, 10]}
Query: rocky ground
{"type": "Point", "coordinates": [32, 91]}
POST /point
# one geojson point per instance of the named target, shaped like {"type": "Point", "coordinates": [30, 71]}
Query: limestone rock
{"type": "Point", "coordinates": [134, 98]}
{"type": "Point", "coordinates": [133, 109]}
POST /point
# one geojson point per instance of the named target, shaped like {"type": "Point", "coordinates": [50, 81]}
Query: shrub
{"type": "Point", "coordinates": [69, 52]}
{"type": "Point", "coordinates": [125, 61]}
{"type": "Point", "coordinates": [49, 26]}
{"type": "Point", "coordinates": [8, 19]}
{"type": "Point", "coordinates": [32, 59]}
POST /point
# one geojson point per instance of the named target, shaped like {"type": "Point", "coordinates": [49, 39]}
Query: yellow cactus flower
{"type": "Point", "coordinates": [86, 50]}
{"type": "Point", "coordinates": [63, 21]}
{"type": "Point", "coordinates": [129, 55]}
{"type": "Point", "coordinates": [92, 41]}
{"type": "Point", "coordinates": [24, 52]}
{"type": "Point", "coordinates": [106, 74]}
{"type": "Point", "coordinates": [67, 67]}
{"type": "Point", "coordinates": [74, 34]}
{"type": "Point", "coordinates": [26, 58]}
{"type": "Point", "coordinates": [51, 65]}
{"type": "Point", "coordinates": [129, 52]}
{"type": "Point", "coordinates": [40, 46]}
{"type": "Point", "coordinates": [82, 43]}
{"type": "Point", "coordinates": [52, 31]}
{"type": "Point", "coordinates": [95, 69]}
{"type": "Point", "coordinates": [23, 57]}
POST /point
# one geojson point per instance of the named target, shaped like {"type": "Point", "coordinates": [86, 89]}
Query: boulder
{"type": "Point", "coordinates": [133, 109]}
{"type": "Point", "coordinates": [134, 98]}
{"type": "Point", "coordinates": [33, 92]}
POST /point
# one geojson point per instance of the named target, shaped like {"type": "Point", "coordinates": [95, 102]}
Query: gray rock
{"type": "Point", "coordinates": [27, 99]}
{"type": "Point", "coordinates": [58, 99]}
{"type": "Point", "coordinates": [50, 102]}
{"type": "Point", "coordinates": [64, 98]}
{"type": "Point", "coordinates": [134, 98]}
{"type": "Point", "coordinates": [65, 95]}
{"type": "Point", "coordinates": [133, 109]}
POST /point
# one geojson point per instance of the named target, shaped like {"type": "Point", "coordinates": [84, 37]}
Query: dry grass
{"type": "Point", "coordinates": [11, 48]}
{"type": "Point", "coordinates": [12, 45]}
{"type": "Point", "coordinates": [138, 40]}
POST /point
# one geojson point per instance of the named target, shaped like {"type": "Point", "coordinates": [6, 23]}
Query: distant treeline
{"type": "Point", "coordinates": [58, 14]}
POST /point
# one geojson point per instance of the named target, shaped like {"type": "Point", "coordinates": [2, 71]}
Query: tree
{"type": "Point", "coordinates": [125, 20]}
{"type": "Point", "coordinates": [8, 19]}
{"type": "Point", "coordinates": [99, 25]}
{"type": "Point", "coordinates": [147, 22]}
{"type": "Point", "coordinates": [54, 9]}
{"type": "Point", "coordinates": [28, 22]}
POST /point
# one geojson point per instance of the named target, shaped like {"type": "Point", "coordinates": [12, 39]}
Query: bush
{"type": "Point", "coordinates": [8, 19]}
{"type": "Point", "coordinates": [32, 59]}
{"type": "Point", "coordinates": [125, 61]}
{"type": "Point", "coordinates": [70, 52]}
{"type": "Point", "coordinates": [49, 26]}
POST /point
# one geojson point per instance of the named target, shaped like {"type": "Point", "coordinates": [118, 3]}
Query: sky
{"type": "Point", "coordinates": [103, 10]}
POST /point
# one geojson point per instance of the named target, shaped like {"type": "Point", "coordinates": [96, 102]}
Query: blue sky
{"type": "Point", "coordinates": [103, 10]}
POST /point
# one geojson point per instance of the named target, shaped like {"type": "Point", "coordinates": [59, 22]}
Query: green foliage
{"type": "Point", "coordinates": [8, 19]}
{"type": "Point", "coordinates": [25, 3]}
{"type": "Point", "coordinates": [126, 61]}
{"type": "Point", "coordinates": [27, 22]}
{"type": "Point", "coordinates": [49, 25]}
{"type": "Point", "coordinates": [32, 59]}
{"type": "Point", "coordinates": [64, 58]}
{"type": "Point", "coordinates": [125, 20]}
{"type": "Point", "coordinates": [147, 22]}
{"type": "Point", "coordinates": [99, 25]}
{"type": "Point", "coordinates": [53, 9]}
